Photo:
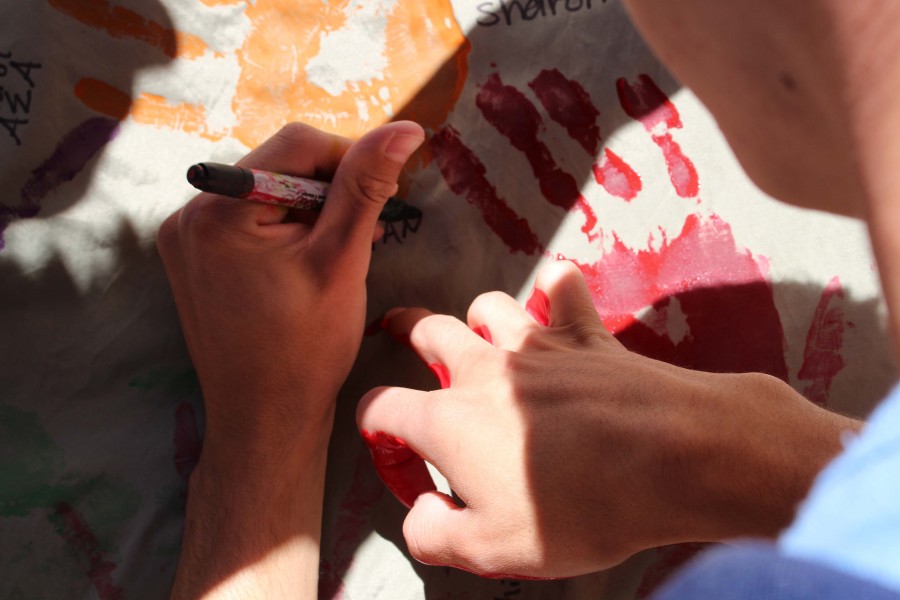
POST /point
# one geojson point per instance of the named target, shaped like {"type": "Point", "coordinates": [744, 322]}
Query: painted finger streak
{"type": "Point", "coordinates": [514, 116]}
{"type": "Point", "coordinates": [467, 176]}
{"type": "Point", "coordinates": [569, 104]}
{"type": "Point", "coordinates": [643, 101]}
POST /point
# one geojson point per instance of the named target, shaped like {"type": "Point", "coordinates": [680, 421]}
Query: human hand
{"type": "Point", "coordinates": [273, 310]}
{"type": "Point", "coordinates": [571, 453]}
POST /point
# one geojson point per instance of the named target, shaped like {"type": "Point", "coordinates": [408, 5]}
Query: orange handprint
{"type": "Point", "coordinates": [345, 66]}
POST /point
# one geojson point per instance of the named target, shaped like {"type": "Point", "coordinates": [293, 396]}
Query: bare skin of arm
{"type": "Point", "coordinates": [273, 310]}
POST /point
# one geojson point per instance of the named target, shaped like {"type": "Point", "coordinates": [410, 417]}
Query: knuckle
{"type": "Point", "coordinates": [167, 238]}
{"type": "Point", "coordinates": [487, 303]}
{"type": "Point", "coordinates": [294, 134]}
{"type": "Point", "coordinates": [372, 188]}
{"type": "Point", "coordinates": [420, 534]}
{"type": "Point", "coordinates": [364, 407]}
{"type": "Point", "coordinates": [199, 217]}
{"type": "Point", "coordinates": [433, 329]}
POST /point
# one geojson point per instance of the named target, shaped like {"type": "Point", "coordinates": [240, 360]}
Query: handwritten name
{"type": "Point", "coordinates": [511, 589]}
{"type": "Point", "coordinates": [16, 87]}
{"type": "Point", "coordinates": [508, 12]}
{"type": "Point", "coordinates": [398, 231]}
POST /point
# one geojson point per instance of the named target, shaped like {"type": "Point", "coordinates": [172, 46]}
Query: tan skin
{"type": "Point", "coordinates": [690, 456]}
{"type": "Point", "coordinates": [254, 294]}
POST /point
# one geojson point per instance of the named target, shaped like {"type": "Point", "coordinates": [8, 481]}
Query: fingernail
{"type": "Point", "coordinates": [538, 306]}
{"type": "Point", "coordinates": [442, 374]}
{"type": "Point", "coordinates": [485, 333]}
{"type": "Point", "coordinates": [400, 147]}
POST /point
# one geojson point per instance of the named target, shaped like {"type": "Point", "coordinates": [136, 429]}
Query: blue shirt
{"type": "Point", "coordinates": [851, 519]}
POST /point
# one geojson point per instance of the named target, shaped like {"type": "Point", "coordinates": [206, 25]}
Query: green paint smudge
{"type": "Point", "coordinates": [29, 462]}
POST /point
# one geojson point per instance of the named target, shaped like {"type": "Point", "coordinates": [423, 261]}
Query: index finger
{"type": "Point", "coordinates": [301, 150]}
{"type": "Point", "coordinates": [296, 149]}
{"type": "Point", "coordinates": [393, 424]}
{"type": "Point", "coordinates": [444, 343]}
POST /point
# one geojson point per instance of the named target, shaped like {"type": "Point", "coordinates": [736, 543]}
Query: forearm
{"type": "Point", "coordinates": [253, 521]}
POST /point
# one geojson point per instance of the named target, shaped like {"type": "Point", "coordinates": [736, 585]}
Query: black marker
{"type": "Point", "coordinates": [282, 190]}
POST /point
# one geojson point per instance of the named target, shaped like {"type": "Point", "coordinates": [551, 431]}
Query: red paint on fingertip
{"type": "Point", "coordinates": [442, 374]}
{"type": "Point", "coordinates": [387, 450]}
{"type": "Point", "coordinates": [400, 468]}
{"type": "Point", "coordinates": [538, 306]}
{"type": "Point", "coordinates": [484, 333]}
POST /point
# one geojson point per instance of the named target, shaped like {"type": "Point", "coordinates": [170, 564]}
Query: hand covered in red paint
{"type": "Point", "coordinates": [571, 453]}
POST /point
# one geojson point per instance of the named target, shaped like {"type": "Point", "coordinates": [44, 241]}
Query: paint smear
{"type": "Point", "coordinates": [617, 177]}
{"type": "Point", "coordinates": [119, 22]}
{"type": "Point", "coordinates": [147, 109]}
{"type": "Point", "coordinates": [68, 159]}
{"type": "Point", "coordinates": [29, 463]}
{"type": "Point", "coordinates": [514, 116]}
{"type": "Point", "coordinates": [82, 540]}
{"type": "Point", "coordinates": [466, 176]}
{"type": "Point", "coordinates": [822, 359]}
{"type": "Point", "coordinates": [538, 306]}
{"type": "Point", "coordinates": [570, 105]}
{"type": "Point", "coordinates": [643, 101]}
{"type": "Point", "coordinates": [416, 69]}
{"type": "Point", "coordinates": [400, 468]}
{"type": "Point", "coordinates": [442, 374]}
{"type": "Point", "coordinates": [727, 305]}
{"type": "Point", "coordinates": [186, 441]}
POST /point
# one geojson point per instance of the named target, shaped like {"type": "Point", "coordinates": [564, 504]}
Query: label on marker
{"type": "Point", "coordinates": [274, 188]}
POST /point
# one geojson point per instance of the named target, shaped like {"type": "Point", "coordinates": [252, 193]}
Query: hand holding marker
{"type": "Point", "coordinates": [281, 190]}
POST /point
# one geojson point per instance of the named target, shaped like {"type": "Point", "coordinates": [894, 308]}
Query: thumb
{"type": "Point", "coordinates": [435, 531]}
{"type": "Point", "coordinates": [364, 180]}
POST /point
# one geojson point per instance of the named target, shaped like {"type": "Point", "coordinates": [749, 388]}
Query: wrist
{"type": "Point", "coordinates": [253, 522]}
{"type": "Point", "coordinates": [254, 428]}
{"type": "Point", "coordinates": [758, 450]}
